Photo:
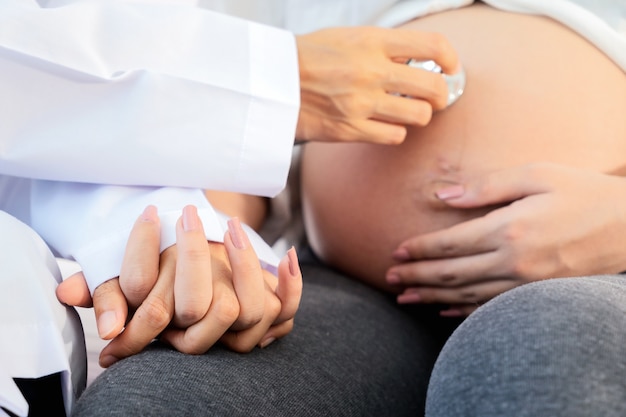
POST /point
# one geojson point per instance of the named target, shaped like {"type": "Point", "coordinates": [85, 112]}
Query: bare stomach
{"type": "Point", "coordinates": [536, 92]}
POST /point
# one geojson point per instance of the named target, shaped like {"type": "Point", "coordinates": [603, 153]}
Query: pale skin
{"type": "Point", "coordinates": [366, 95]}
{"type": "Point", "coordinates": [537, 236]}
{"type": "Point", "coordinates": [193, 295]}
{"type": "Point", "coordinates": [348, 77]}
{"type": "Point", "coordinates": [520, 180]}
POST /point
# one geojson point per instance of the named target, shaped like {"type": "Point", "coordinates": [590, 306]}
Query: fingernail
{"type": "Point", "coordinates": [451, 313]}
{"type": "Point", "coordinates": [150, 214]}
{"type": "Point", "coordinates": [409, 298]}
{"type": "Point", "coordinates": [108, 360]}
{"type": "Point", "coordinates": [447, 193]}
{"type": "Point", "coordinates": [266, 342]}
{"type": "Point", "coordinates": [393, 278]}
{"type": "Point", "coordinates": [237, 235]}
{"type": "Point", "coordinates": [107, 322]}
{"type": "Point", "coordinates": [401, 254]}
{"type": "Point", "coordinates": [191, 221]}
{"type": "Point", "coordinates": [294, 267]}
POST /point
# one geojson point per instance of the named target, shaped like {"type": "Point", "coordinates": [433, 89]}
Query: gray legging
{"type": "Point", "coordinates": [545, 349]}
{"type": "Point", "coordinates": [550, 348]}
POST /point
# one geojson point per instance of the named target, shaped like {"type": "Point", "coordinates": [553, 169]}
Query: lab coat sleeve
{"type": "Point", "coordinates": [145, 93]}
{"type": "Point", "coordinates": [91, 223]}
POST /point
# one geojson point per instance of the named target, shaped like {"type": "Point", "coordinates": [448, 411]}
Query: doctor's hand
{"type": "Point", "coordinates": [548, 221]}
{"type": "Point", "coordinates": [191, 296]}
{"type": "Point", "coordinates": [356, 86]}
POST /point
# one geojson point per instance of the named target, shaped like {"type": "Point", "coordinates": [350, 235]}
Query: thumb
{"type": "Point", "coordinates": [497, 187]}
{"type": "Point", "coordinates": [111, 308]}
{"type": "Point", "coordinates": [73, 291]}
{"type": "Point", "coordinates": [289, 289]}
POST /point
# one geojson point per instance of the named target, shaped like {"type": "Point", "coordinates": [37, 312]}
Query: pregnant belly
{"type": "Point", "coordinates": [536, 91]}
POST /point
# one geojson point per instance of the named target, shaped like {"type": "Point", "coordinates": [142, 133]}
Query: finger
{"type": "Point", "coordinates": [149, 320]}
{"type": "Point", "coordinates": [459, 310]}
{"type": "Point", "coordinates": [74, 291]}
{"type": "Point", "coordinates": [244, 341]}
{"type": "Point", "coordinates": [247, 276]}
{"type": "Point", "coordinates": [402, 110]}
{"type": "Point", "coordinates": [452, 272]}
{"type": "Point", "coordinates": [471, 237]}
{"type": "Point", "coordinates": [289, 290]}
{"type": "Point", "coordinates": [417, 84]}
{"type": "Point", "coordinates": [366, 130]}
{"type": "Point", "coordinates": [111, 308]}
{"type": "Point", "coordinates": [140, 266]}
{"type": "Point", "coordinates": [280, 311]}
{"type": "Point", "coordinates": [276, 332]}
{"type": "Point", "coordinates": [193, 287]}
{"type": "Point", "coordinates": [403, 44]}
{"type": "Point", "coordinates": [471, 294]}
{"type": "Point", "coordinates": [202, 335]}
{"type": "Point", "coordinates": [498, 187]}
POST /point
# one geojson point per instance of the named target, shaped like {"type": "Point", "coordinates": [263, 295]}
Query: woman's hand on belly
{"type": "Point", "coordinates": [552, 221]}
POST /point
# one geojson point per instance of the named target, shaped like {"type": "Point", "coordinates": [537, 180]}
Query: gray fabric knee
{"type": "Point", "coordinates": [550, 348]}
{"type": "Point", "coordinates": [353, 352]}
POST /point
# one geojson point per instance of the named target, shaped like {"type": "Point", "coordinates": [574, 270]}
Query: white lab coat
{"type": "Point", "coordinates": [134, 93]}
{"type": "Point", "coordinates": [160, 93]}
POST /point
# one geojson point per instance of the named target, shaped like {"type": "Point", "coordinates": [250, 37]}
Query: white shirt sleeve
{"type": "Point", "coordinates": [145, 93]}
{"type": "Point", "coordinates": [91, 223]}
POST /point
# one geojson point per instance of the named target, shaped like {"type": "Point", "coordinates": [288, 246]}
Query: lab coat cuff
{"type": "Point", "coordinates": [274, 107]}
{"type": "Point", "coordinates": [102, 260]}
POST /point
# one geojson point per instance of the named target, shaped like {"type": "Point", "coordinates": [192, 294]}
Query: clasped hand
{"type": "Point", "coordinates": [547, 221]}
{"type": "Point", "coordinates": [191, 296]}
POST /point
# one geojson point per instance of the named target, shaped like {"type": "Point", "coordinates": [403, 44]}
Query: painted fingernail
{"type": "Point", "coordinates": [191, 221]}
{"type": "Point", "coordinates": [107, 361]}
{"type": "Point", "coordinates": [237, 235]}
{"type": "Point", "coordinates": [401, 254]}
{"type": "Point", "coordinates": [150, 214]}
{"type": "Point", "coordinates": [294, 266]}
{"type": "Point", "coordinates": [393, 278]}
{"type": "Point", "coordinates": [409, 298]}
{"type": "Point", "coordinates": [107, 322]}
{"type": "Point", "coordinates": [447, 193]}
{"type": "Point", "coordinates": [267, 342]}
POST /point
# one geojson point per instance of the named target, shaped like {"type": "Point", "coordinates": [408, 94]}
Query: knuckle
{"type": "Point", "coordinates": [195, 255]}
{"type": "Point", "coordinates": [156, 312]}
{"type": "Point", "coordinates": [423, 113]}
{"type": "Point", "coordinates": [469, 296]}
{"type": "Point", "coordinates": [439, 90]}
{"type": "Point", "coordinates": [449, 278]}
{"type": "Point", "coordinates": [447, 247]}
{"type": "Point", "coordinates": [341, 131]}
{"type": "Point", "coordinates": [520, 268]}
{"type": "Point", "coordinates": [190, 314]}
{"type": "Point", "coordinates": [227, 310]}
{"type": "Point", "coordinates": [249, 317]}
{"type": "Point", "coordinates": [136, 283]}
{"type": "Point", "coordinates": [513, 233]}
{"type": "Point", "coordinates": [356, 105]}
{"type": "Point", "coordinates": [438, 43]}
{"type": "Point", "coordinates": [273, 307]}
